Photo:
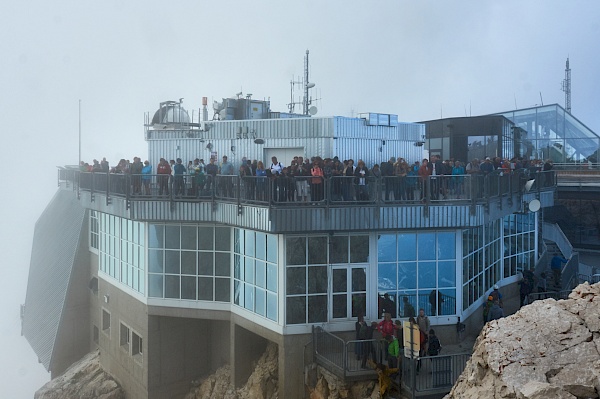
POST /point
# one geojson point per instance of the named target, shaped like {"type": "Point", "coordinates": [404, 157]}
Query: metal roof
{"type": "Point", "coordinates": [55, 241]}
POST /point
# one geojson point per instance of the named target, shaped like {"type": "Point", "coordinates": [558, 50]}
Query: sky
{"type": "Point", "coordinates": [120, 59]}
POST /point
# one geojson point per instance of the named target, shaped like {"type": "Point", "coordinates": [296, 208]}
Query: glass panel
{"type": "Point", "coordinates": [156, 236]}
{"type": "Point", "coordinates": [155, 285]}
{"type": "Point", "coordinates": [317, 309]}
{"type": "Point", "coordinates": [205, 288]}
{"type": "Point", "coordinates": [249, 270]}
{"type": "Point", "coordinates": [426, 244]}
{"type": "Point", "coordinates": [317, 250]}
{"type": "Point", "coordinates": [237, 267]}
{"type": "Point", "coordinates": [295, 310]}
{"type": "Point", "coordinates": [171, 286]}
{"type": "Point", "coordinates": [407, 247]}
{"type": "Point", "coordinates": [172, 259]}
{"type": "Point", "coordinates": [446, 245]}
{"type": "Point", "coordinates": [222, 264]}
{"type": "Point", "coordinates": [250, 244]}
{"type": "Point", "coordinates": [261, 274]}
{"type": "Point", "coordinates": [317, 279]}
{"type": "Point", "coordinates": [188, 288]}
{"type": "Point", "coordinates": [359, 249]}
{"type": "Point", "coordinates": [408, 303]}
{"type": "Point", "coordinates": [295, 250]}
{"type": "Point", "coordinates": [223, 238]}
{"type": "Point", "coordinates": [339, 249]}
{"type": "Point", "coordinates": [238, 293]}
{"type": "Point", "coordinates": [261, 246]}
{"type": "Point", "coordinates": [340, 280]}
{"type": "Point", "coordinates": [296, 280]}
{"type": "Point", "coordinates": [249, 297]}
{"type": "Point", "coordinates": [205, 264]}
{"type": "Point", "coordinates": [222, 289]}
{"type": "Point", "coordinates": [237, 247]}
{"type": "Point", "coordinates": [448, 305]}
{"type": "Point", "coordinates": [427, 274]}
{"type": "Point", "coordinates": [386, 277]}
{"type": "Point", "coordinates": [271, 277]}
{"type": "Point", "coordinates": [188, 237]}
{"type": "Point", "coordinates": [359, 304]}
{"type": "Point", "coordinates": [261, 302]}
{"type": "Point", "coordinates": [340, 306]}
{"type": "Point", "coordinates": [386, 248]}
{"type": "Point", "coordinates": [407, 275]}
{"type": "Point", "coordinates": [188, 262]}
{"type": "Point", "coordinates": [446, 274]}
{"type": "Point", "coordinates": [172, 237]}
{"type": "Point", "coordinates": [272, 306]}
{"type": "Point", "coordinates": [205, 238]}
{"type": "Point", "coordinates": [272, 248]}
{"type": "Point", "coordinates": [155, 261]}
{"type": "Point", "coordinates": [359, 279]}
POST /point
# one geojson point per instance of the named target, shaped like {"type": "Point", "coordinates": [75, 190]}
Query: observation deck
{"type": "Point", "coordinates": [343, 203]}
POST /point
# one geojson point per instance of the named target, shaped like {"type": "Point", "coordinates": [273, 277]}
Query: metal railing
{"type": "Point", "coordinates": [303, 190]}
{"type": "Point", "coordinates": [433, 373]}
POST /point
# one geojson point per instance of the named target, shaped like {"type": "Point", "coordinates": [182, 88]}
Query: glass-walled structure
{"type": "Point", "coordinates": [299, 280]}
{"type": "Point", "coordinates": [549, 132]}
{"type": "Point", "coordinates": [464, 139]}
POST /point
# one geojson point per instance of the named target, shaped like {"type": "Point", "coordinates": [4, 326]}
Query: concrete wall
{"type": "Point", "coordinates": [131, 372]}
{"type": "Point", "coordinates": [182, 350]}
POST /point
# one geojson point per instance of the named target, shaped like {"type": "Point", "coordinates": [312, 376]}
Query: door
{"type": "Point", "coordinates": [284, 155]}
{"type": "Point", "coordinates": [348, 291]}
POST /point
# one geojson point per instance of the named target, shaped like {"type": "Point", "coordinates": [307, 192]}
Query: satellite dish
{"type": "Point", "coordinates": [534, 205]}
{"type": "Point", "coordinates": [313, 110]}
{"type": "Point", "coordinates": [529, 184]}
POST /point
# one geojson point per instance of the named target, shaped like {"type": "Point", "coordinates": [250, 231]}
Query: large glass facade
{"type": "Point", "coordinates": [255, 272]}
{"type": "Point", "coordinates": [549, 132]}
{"type": "Point", "coordinates": [121, 252]}
{"type": "Point", "coordinates": [498, 250]}
{"type": "Point", "coordinates": [418, 268]}
{"type": "Point", "coordinates": [189, 262]}
{"type": "Point", "coordinates": [326, 277]}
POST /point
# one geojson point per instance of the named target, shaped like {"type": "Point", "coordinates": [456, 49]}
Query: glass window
{"type": "Point", "coordinates": [271, 277]}
{"type": "Point", "coordinates": [223, 238]}
{"type": "Point", "coordinates": [359, 249]}
{"type": "Point", "coordinates": [205, 238]}
{"type": "Point", "coordinates": [260, 305]}
{"type": "Point", "coordinates": [261, 274]}
{"type": "Point", "coordinates": [272, 306]}
{"type": "Point", "coordinates": [446, 274]}
{"type": "Point", "coordinates": [272, 248]}
{"type": "Point", "coordinates": [249, 271]}
{"type": "Point", "coordinates": [205, 288]}
{"type": "Point", "coordinates": [446, 245]}
{"type": "Point", "coordinates": [188, 237]}
{"type": "Point", "coordinates": [205, 264]}
{"type": "Point", "coordinates": [155, 285]}
{"type": "Point", "coordinates": [188, 262]}
{"type": "Point", "coordinates": [296, 280]}
{"type": "Point", "coordinates": [188, 287]}
{"type": "Point", "coordinates": [261, 246]}
{"type": "Point", "coordinates": [295, 250]}
{"type": "Point", "coordinates": [171, 286]}
{"type": "Point", "coordinates": [156, 262]}
{"type": "Point", "coordinates": [386, 248]}
{"type": "Point", "coordinates": [317, 309]}
{"type": "Point", "coordinates": [426, 242]}
{"type": "Point", "coordinates": [317, 250]}
{"type": "Point", "coordinates": [317, 279]}
{"type": "Point", "coordinates": [172, 237]}
{"type": "Point", "coordinates": [222, 289]}
{"type": "Point", "coordinates": [172, 262]}
{"type": "Point", "coordinates": [222, 264]}
{"type": "Point", "coordinates": [407, 246]}
{"type": "Point", "coordinates": [156, 236]}
{"type": "Point", "coordinates": [427, 275]}
{"type": "Point", "coordinates": [250, 244]}
{"type": "Point", "coordinates": [295, 310]}
{"type": "Point", "coordinates": [407, 275]}
{"type": "Point", "coordinates": [339, 249]}
{"type": "Point", "coordinates": [386, 277]}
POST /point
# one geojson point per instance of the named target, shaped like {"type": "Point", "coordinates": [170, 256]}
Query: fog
{"type": "Point", "coordinates": [418, 59]}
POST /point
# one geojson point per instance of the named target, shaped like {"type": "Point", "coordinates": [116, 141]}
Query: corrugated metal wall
{"type": "Point", "coordinates": [325, 137]}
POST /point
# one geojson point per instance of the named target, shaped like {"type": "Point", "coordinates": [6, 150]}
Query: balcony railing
{"type": "Point", "coordinates": [307, 190]}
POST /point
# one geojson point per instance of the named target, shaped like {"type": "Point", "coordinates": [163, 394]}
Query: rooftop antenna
{"type": "Point", "coordinates": [566, 87]}
{"type": "Point", "coordinates": [541, 99]}
{"type": "Point", "coordinates": [307, 109]}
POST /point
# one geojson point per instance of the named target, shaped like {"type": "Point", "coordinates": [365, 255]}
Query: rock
{"type": "Point", "coordinates": [548, 349]}
{"type": "Point", "coordinates": [85, 379]}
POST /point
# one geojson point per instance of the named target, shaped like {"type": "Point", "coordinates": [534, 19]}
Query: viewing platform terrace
{"type": "Point", "coordinates": [300, 204]}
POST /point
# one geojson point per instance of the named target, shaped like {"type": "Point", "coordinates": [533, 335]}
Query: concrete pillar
{"type": "Point", "coordinates": [291, 366]}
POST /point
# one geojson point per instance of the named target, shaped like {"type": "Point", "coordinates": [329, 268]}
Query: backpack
{"type": "Point", "coordinates": [434, 346]}
{"type": "Point", "coordinates": [362, 331]}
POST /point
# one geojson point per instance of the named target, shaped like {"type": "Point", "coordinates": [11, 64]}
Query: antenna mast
{"type": "Point", "coordinates": [306, 100]}
{"type": "Point", "coordinates": [566, 87]}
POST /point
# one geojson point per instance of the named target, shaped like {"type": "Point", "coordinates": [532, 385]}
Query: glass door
{"type": "Point", "coordinates": [348, 291]}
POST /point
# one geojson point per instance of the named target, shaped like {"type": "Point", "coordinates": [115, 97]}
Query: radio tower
{"type": "Point", "coordinates": [566, 87]}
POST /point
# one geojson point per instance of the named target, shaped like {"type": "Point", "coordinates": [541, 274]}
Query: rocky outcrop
{"type": "Point", "coordinates": [85, 379]}
{"type": "Point", "coordinates": [262, 383]}
{"type": "Point", "coordinates": [328, 386]}
{"type": "Point", "coordinates": [547, 350]}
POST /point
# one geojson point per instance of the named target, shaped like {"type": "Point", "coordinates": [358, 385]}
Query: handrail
{"type": "Point", "coordinates": [433, 373]}
{"type": "Point", "coordinates": [299, 190]}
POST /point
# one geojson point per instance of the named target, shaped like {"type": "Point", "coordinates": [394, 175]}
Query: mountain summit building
{"type": "Point", "coordinates": [170, 287]}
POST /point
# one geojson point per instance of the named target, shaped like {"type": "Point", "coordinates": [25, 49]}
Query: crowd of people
{"type": "Point", "coordinates": [304, 180]}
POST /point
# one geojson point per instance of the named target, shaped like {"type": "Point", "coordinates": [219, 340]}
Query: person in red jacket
{"type": "Point", "coordinates": [164, 170]}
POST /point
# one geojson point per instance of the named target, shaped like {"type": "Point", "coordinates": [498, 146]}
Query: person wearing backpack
{"type": "Point", "coordinates": [434, 347]}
